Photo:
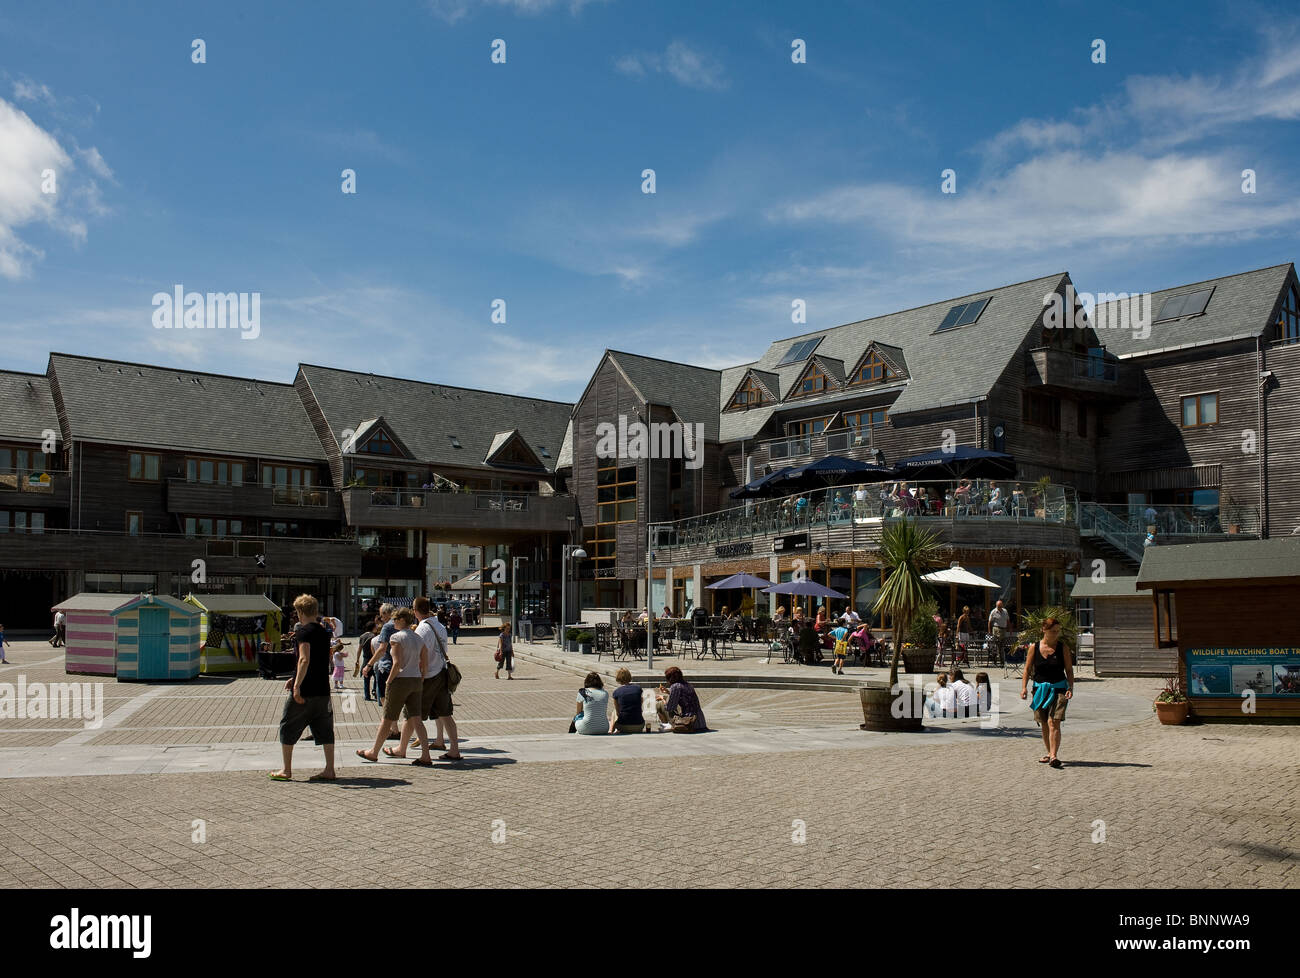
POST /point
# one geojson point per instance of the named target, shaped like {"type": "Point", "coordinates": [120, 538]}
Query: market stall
{"type": "Point", "coordinates": [232, 628]}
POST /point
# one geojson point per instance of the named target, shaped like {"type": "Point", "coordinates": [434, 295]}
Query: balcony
{"type": "Point", "coordinates": [252, 500]}
{"type": "Point", "coordinates": [780, 452]}
{"type": "Point", "coordinates": [835, 520]}
{"type": "Point", "coordinates": [29, 489]}
{"type": "Point", "coordinates": [175, 553]}
{"type": "Point", "coordinates": [1063, 372]}
{"type": "Point", "coordinates": [457, 515]}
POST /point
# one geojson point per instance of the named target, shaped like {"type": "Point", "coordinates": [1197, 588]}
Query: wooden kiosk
{"type": "Point", "coordinates": [232, 628]}
{"type": "Point", "coordinates": [1229, 610]}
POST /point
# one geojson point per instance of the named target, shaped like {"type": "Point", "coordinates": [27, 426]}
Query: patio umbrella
{"type": "Point", "coordinates": [760, 487]}
{"type": "Point", "coordinates": [805, 587]}
{"type": "Point", "coordinates": [965, 461]}
{"type": "Point", "coordinates": [738, 581]}
{"type": "Point", "coordinates": [833, 470]}
{"type": "Point", "coordinates": [961, 577]}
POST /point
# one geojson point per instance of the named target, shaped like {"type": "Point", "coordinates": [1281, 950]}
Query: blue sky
{"type": "Point", "coordinates": [522, 181]}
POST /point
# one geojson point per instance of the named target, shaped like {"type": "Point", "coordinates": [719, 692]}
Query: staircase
{"type": "Point", "coordinates": [1111, 535]}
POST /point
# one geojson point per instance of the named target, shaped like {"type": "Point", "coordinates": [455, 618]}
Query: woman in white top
{"type": "Point", "coordinates": [964, 693]}
{"type": "Point", "coordinates": [593, 707]}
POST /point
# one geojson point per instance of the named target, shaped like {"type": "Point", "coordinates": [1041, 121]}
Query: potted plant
{"type": "Point", "coordinates": [584, 642]}
{"type": "Point", "coordinates": [1232, 511]}
{"type": "Point", "coordinates": [911, 551]}
{"type": "Point", "coordinates": [1171, 706]}
{"type": "Point", "coordinates": [922, 633]}
{"type": "Point", "coordinates": [1031, 622]}
{"type": "Point", "coordinates": [570, 640]}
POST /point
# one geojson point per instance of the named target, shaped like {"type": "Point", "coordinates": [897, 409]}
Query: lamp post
{"type": "Point", "coordinates": [569, 551]}
{"type": "Point", "coordinates": [514, 607]}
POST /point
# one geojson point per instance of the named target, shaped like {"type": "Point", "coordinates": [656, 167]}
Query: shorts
{"type": "Point", "coordinates": [629, 727]}
{"type": "Point", "coordinates": [317, 712]}
{"type": "Point", "coordinates": [435, 699]}
{"type": "Point", "coordinates": [1057, 711]}
{"type": "Point", "coordinates": [402, 692]}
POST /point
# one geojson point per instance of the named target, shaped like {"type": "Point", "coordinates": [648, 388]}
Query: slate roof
{"type": "Point", "coordinates": [769, 379]}
{"type": "Point", "coordinates": [1234, 560]}
{"type": "Point", "coordinates": [1240, 307]}
{"type": "Point", "coordinates": [692, 392]}
{"type": "Point", "coordinates": [564, 458]}
{"type": "Point", "coordinates": [951, 368]}
{"type": "Point", "coordinates": [121, 403]}
{"type": "Point", "coordinates": [1112, 587]}
{"type": "Point", "coordinates": [425, 415]}
{"type": "Point", "coordinates": [26, 406]}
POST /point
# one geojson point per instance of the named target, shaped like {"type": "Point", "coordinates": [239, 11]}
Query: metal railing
{"type": "Point", "coordinates": [516, 502]}
{"type": "Point", "coordinates": [1094, 368]}
{"type": "Point", "coordinates": [1125, 526]}
{"type": "Point", "coordinates": [939, 501]}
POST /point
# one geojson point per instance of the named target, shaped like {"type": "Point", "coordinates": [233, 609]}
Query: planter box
{"type": "Point", "coordinates": [1173, 714]}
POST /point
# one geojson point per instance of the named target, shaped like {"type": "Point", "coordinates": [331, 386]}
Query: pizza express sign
{"type": "Point", "coordinates": [795, 541]}
{"type": "Point", "coordinates": [734, 550]}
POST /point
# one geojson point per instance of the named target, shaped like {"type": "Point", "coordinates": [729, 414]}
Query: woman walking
{"type": "Point", "coordinates": [963, 636]}
{"type": "Point", "coordinates": [1050, 663]}
{"type": "Point", "coordinates": [505, 654]}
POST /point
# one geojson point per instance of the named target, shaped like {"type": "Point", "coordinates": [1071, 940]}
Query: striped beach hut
{"type": "Point", "coordinates": [92, 632]}
{"type": "Point", "coordinates": [242, 623]}
{"type": "Point", "coordinates": [157, 638]}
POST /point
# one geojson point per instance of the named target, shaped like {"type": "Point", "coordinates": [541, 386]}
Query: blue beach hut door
{"type": "Point", "coordinates": [154, 643]}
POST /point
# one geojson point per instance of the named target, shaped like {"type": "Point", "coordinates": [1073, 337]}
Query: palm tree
{"type": "Point", "coordinates": [911, 551]}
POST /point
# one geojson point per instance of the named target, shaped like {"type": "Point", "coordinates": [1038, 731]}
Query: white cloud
{"type": "Point", "coordinates": [26, 152]}
{"type": "Point", "coordinates": [26, 90]}
{"type": "Point", "coordinates": [453, 11]}
{"type": "Point", "coordinates": [685, 64]}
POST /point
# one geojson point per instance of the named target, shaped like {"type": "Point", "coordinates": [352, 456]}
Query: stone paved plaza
{"type": "Point", "coordinates": [1205, 805]}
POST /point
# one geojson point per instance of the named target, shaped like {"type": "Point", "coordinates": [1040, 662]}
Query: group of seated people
{"type": "Point", "coordinates": [676, 705]}
{"type": "Point", "coordinates": [955, 697]}
{"type": "Point", "coordinates": [810, 636]}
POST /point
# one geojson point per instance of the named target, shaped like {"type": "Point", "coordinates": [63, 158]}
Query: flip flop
{"type": "Point", "coordinates": [279, 777]}
{"type": "Point", "coordinates": [1055, 762]}
{"type": "Point", "coordinates": [448, 757]}
{"type": "Point", "coordinates": [389, 752]}
{"type": "Point", "coordinates": [321, 777]}
{"type": "Point", "coordinates": [369, 760]}
{"type": "Point", "coordinates": [1045, 759]}
{"type": "Point", "coordinates": [419, 763]}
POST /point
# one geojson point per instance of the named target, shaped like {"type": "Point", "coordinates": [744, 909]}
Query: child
{"type": "Point", "coordinates": [3, 642]}
{"type": "Point", "coordinates": [983, 694]}
{"type": "Point", "coordinates": [840, 635]}
{"type": "Point", "coordinates": [340, 660]}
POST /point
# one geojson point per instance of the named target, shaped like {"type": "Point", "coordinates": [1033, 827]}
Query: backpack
{"type": "Point", "coordinates": [841, 649]}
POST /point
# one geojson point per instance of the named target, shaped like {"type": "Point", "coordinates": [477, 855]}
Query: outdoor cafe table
{"type": "Point", "coordinates": [271, 665]}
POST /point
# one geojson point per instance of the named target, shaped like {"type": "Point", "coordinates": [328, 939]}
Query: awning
{"type": "Point", "coordinates": [959, 576]}
{"type": "Point", "coordinates": [964, 461]}
{"type": "Point", "coordinates": [738, 581]}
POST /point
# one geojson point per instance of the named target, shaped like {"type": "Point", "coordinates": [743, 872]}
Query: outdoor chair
{"type": "Point", "coordinates": [686, 637]}
{"type": "Point", "coordinates": [725, 638]}
{"type": "Point", "coordinates": [1013, 663]}
{"type": "Point", "coordinates": [604, 639]}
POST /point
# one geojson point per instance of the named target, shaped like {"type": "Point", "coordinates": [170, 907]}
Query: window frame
{"type": "Point", "coordinates": [144, 466]}
{"type": "Point", "coordinates": [1288, 319]}
{"type": "Point", "coordinates": [811, 372]}
{"type": "Point", "coordinates": [873, 359]}
{"type": "Point", "coordinates": [1196, 398]}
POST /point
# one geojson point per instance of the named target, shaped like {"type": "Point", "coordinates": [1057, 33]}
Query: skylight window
{"type": "Point", "coordinates": [455, 442]}
{"type": "Point", "coordinates": [1187, 304]}
{"type": "Point", "coordinates": [541, 450]}
{"type": "Point", "coordinates": [963, 315]}
{"type": "Point", "coordinates": [800, 351]}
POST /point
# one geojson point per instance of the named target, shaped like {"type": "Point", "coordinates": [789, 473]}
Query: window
{"type": "Point", "coordinates": [134, 522]}
{"type": "Point", "coordinates": [1187, 304]}
{"type": "Point", "coordinates": [874, 371]}
{"type": "Point", "coordinates": [283, 476]}
{"type": "Point", "coordinates": [616, 494]}
{"type": "Point", "coordinates": [748, 395]}
{"type": "Point", "coordinates": [214, 471]}
{"type": "Point", "coordinates": [1083, 420]}
{"type": "Point", "coordinates": [23, 460]}
{"type": "Point", "coordinates": [144, 467]}
{"type": "Point", "coordinates": [1288, 321]}
{"type": "Point", "coordinates": [455, 561]}
{"type": "Point", "coordinates": [455, 442]}
{"type": "Point", "coordinates": [21, 522]}
{"type": "Point", "coordinates": [379, 444]}
{"type": "Point", "coordinates": [813, 382]}
{"type": "Point", "coordinates": [1200, 409]}
{"type": "Point", "coordinates": [542, 452]}
{"type": "Point", "coordinates": [213, 526]}
{"type": "Point", "coordinates": [865, 420]}
{"type": "Point", "coordinates": [963, 315]}
{"type": "Point", "coordinates": [799, 352]}
{"type": "Point", "coordinates": [814, 426]}
{"type": "Point", "coordinates": [1041, 410]}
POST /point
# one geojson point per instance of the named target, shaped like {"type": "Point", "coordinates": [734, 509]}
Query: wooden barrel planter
{"type": "Point", "coordinates": [878, 709]}
{"type": "Point", "coordinates": [919, 661]}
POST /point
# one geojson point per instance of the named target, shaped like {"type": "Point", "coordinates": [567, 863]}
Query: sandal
{"type": "Point", "coordinates": [1055, 762]}
{"type": "Point", "coordinates": [389, 752]}
{"type": "Point", "coordinates": [418, 762]}
{"type": "Point", "coordinates": [279, 777]}
{"type": "Point", "coordinates": [1045, 759]}
{"type": "Point", "coordinates": [448, 757]}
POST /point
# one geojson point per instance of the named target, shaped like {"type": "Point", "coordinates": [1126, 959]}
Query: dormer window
{"type": "Point", "coordinates": [748, 395]}
{"type": "Point", "coordinates": [1288, 319]}
{"type": "Point", "coordinates": [813, 382]}
{"type": "Point", "coordinates": [378, 444]}
{"type": "Point", "coordinates": [873, 371]}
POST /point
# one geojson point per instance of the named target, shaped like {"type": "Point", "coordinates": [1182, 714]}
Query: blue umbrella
{"type": "Point", "coordinates": [962, 461]}
{"type": "Point", "coordinates": [808, 588]}
{"type": "Point", "coordinates": [760, 487]}
{"type": "Point", "coordinates": [739, 581]}
{"type": "Point", "coordinates": [832, 470]}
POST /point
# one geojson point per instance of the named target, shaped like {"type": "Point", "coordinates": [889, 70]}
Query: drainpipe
{"type": "Point", "coordinates": [1262, 446]}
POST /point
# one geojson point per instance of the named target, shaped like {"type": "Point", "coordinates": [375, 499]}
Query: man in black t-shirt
{"type": "Point", "coordinates": [309, 703]}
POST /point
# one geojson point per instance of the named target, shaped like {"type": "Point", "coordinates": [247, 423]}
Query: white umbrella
{"type": "Point", "coordinates": [959, 576]}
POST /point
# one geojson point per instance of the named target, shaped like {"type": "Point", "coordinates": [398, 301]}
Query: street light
{"type": "Point", "coordinates": [514, 608]}
{"type": "Point", "coordinates": [575, 552]}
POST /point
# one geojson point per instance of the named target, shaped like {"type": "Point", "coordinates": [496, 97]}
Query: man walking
{"type": "Point", "coordinates": [437, 694]}
{"type": "Point", "coordinates": [309, 704]}
{"type": "Point", "coordinates": [60, 629]}
{"type": "Point", "coordinates": [999, 621]}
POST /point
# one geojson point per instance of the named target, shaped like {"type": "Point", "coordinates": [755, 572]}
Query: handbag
{"type": "Point", "coordinates": [453, 676]}
{"type": "Point", "coordinates": [497, 656]}
{"type": "Point", "coordinates": [682, 724]}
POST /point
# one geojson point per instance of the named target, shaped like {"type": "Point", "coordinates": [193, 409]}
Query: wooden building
{"type": "Point", "coordinates": [157, 638]}
{"type": "Point", "coordinates": [1119, 618]}
{"type": "Point", "coordinates": [1235, 631]}
{"type": "Point", "coordinates": [91, 633]}
{"type": "Point", "coordinates": [232, 627]}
